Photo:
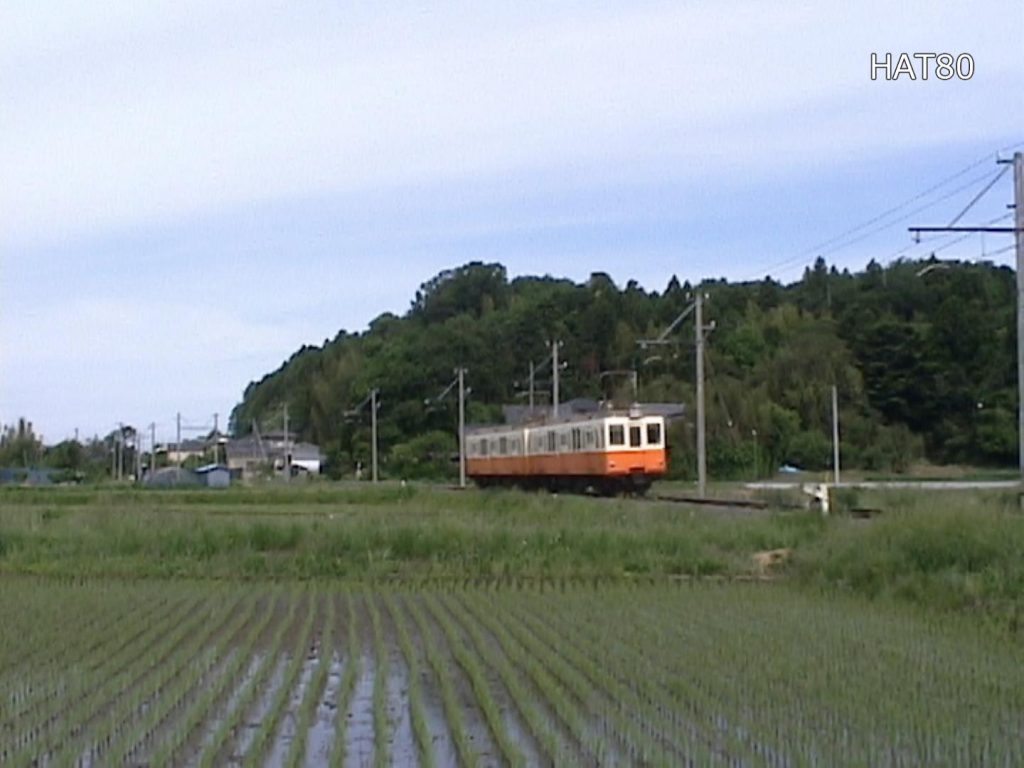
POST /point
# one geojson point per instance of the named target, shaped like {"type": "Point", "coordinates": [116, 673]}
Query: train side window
{"type": "Point", "coordinates": [616, 435]}
{"type": "Point", "coordinates": [654, 434]}
{"type": "Point", "coordinates": [563, 440]}
{"type": "Point", "coordinates": [634, 437]}
{"type": "Point", "coordinates": [588, 438]}
{"type": "Point", "coordinates": [576, 442]}
{"type": "Point", "coordinates": [483, 447]}
{"type": "Point", "coordinates": [551, 441]}
{"type": "Point", "coordinates": [503, 445]}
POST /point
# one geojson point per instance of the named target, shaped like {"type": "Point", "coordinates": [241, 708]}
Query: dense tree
{"type": "Point", "coordinates": [924, 362]}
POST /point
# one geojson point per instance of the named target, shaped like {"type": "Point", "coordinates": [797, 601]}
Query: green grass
{"type": "Point", "coordinates": [949, 550]}
{"type": "Point", "coordinates": [391, 533]}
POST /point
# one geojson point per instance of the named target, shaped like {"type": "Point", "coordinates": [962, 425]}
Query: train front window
{"type": "Point", "coordinates": [654, 434]}
{"type": "Point", "coordinates": [634, 437]}
{"type": "Point", "coordinates": [616, 435]}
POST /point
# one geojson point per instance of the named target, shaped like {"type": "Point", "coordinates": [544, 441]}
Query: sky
{"type": "Point", "coordinates": [190, 191]}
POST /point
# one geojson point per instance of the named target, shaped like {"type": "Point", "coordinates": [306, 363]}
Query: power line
{"type": "Point", "coordinates": [843, 239]}
{"type": "Point", "coordinates": [895, 221]}
{"type": "Point", "coordinates": [923, 242]}
{"type": "Point", "coordinates": [999, 174]}
{"type": "Point", "coordinates": [900, 206]}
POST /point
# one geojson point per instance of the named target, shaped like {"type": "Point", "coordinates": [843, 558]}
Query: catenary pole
{"type": "Point", "coordinates": [531, 388]}
{"type": "Point", "coordinates": [702, 464]}
{"type": "Point", "coordinates": [373, 434]}
{"type": "Point", "coordinates": [835, 432]}
{"type": "Point", "coordinates": [1018, 203]}
{"type": "Point", "coordinates": [462, 427]}
{"type": "Point", "coordinates": [554, 384]}
{"type": "Point", "coordinates": [287, 449]}
{"type": "Point", "coordinates": [1018, 231]}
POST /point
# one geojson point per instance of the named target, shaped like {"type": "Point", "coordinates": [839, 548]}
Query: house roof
{"type": "Point", "coordinates": [248, 448]}
{"type": "Point", "coordinates": [207, 468]}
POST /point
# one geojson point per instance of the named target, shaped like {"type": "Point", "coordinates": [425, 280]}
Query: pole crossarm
{"type": "Point", "coordinates": [663, 336]}
{"type": "Point", "coordinates": [1018, 230]}
{"type": "Point", "coordinates": [444, 392]}
{"type": "Point", "coordinates": [1002, 230]}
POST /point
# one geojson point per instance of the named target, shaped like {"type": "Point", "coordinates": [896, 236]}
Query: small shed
{"type": "Point", "coordinates": [172, 477]}
{"type": "Point", "coordinates": [214, 476]}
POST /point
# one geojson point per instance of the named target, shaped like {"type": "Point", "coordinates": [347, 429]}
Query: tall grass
{"type": "Point", "coordinates": [951, 550]}
{"type": "Point", "coordinates": [942, 557]}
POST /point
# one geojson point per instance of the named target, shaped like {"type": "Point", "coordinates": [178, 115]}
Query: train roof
{"type": "Point", "coordinates": [543, 418]}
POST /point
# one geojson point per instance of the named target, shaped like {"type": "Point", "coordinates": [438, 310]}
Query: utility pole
{"type": "Point", "coordinates": [152, 448]}
{"type": "Point", "coordinates": [531, 388]}
{"type": "Point", "coordinates": [697, 307]}
{"type": "Point", "coordinates": [137, 443]}
{"type": "Point", "coordinates": [462, 422]}
{"type": "Point", "coordinates": [702, 463]}
{"type": "Point", "coordinates": [554, 384]}
{"type": "Point", "coordinates": [1018, 231]}
{"type": "Point", "coordinates": [287, 451]}
{"type": "Point", "coordinates": [1018, 220]}
{"type": "Point", "coordinates": [177, 442]}
{"type": "Point", "coordinates": [373, 432]}
{"type": "Point", "coordinates": [216, 434]}
{"type": "Point", "coordinates": [835, 433]}
{"type": "Point", "coordinates": [120, 450]}
{"type": "Point", "coordinates": [753, 436]}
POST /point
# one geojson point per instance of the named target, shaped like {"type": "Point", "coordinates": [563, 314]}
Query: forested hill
{"type": "Point", "coordinates": [924, 360]}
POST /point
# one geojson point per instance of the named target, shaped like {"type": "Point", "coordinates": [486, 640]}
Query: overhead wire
{"type": "Point", "coordinates": [999, 174]}
{"type": "Point", "coordinates": [956, 238]}
{"type": "Point", "coordinates": [844, 239]}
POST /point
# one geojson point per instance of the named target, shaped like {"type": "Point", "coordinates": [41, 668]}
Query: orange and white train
{"type": "Point", "coordinates": [609, 452]}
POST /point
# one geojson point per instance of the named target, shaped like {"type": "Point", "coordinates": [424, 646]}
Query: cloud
{"type": "Point", "coordinates": [81, 362]}
{"type": "Point", "coordinates": [123, 115]}
{"type": "Point", "coordinates": [175, 172]}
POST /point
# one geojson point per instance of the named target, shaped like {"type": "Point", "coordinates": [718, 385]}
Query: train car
{"type": "Point", "coordinates": [607, 453]}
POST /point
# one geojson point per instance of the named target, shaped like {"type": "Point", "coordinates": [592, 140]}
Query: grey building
{"type": "Point", "coordinates": [252, 456]}
{"type": "Point", "coordinates": [214, 476]}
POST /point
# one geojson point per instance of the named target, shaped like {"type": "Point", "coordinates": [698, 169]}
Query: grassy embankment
{"type": "Point", "coordinates": [956, 550]}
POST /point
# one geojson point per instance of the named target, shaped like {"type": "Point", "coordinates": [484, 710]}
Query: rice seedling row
{"type": "Point", "coordinates": [347, 686]}
{"type": "Point", "coordinates": [257, 674]}
{"type": "Point", "coordinates": [102, 681]}
{"type": "Point", "coordinates": [167, 709]}
{"type": "Point", "coordinates": [622, 716]}
{"type": "Point", "coordinates": [470, 665]}
{"type": "Point", "coordinates": [315, 687]}
{"type": "Point", "coordinates": [158, 689]}
{"type": "Point", "coordinates": [172, 749]}
{"type": "Point", "coordinates": [421, 730]}
{"type": "Point", "coordinates": [556, 697]}
{"type": "Point", "coordinates": [271, 720]}
{"type": "Point", "coordinates": [218, 750]}
{"type": "Point", "coordinates": [549, 748]}
{"type": "Point", "coordinates": [443, 678]}
{"type": "Point", "coordinates": [87, 662]}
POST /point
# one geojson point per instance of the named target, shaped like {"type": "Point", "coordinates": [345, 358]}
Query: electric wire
{"type": "Point", "coordinates": [999, 174]}
{"type": "Point", "coordinates": [843, 239]}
